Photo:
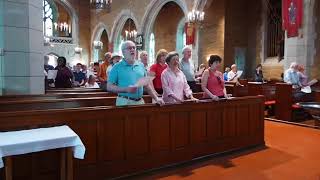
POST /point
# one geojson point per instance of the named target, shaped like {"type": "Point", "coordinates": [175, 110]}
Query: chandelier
{"type": "Point", "coordinates": [131, 35]}
{"type": "Point", "coordinates": [196, 17]}
{"type": "Point", "coordinates": [100, 4]}
{"type": "Point", "coordinates": [62, 27]}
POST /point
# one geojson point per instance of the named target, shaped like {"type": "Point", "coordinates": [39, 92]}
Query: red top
{"type": "Point", "coordinates": [215, 84]}
{"type": "Point", "coordinates": [157, 69]}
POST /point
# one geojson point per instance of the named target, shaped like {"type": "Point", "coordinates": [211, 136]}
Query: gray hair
{"type": "Point", "coordinates": [143, 53]}
{"type": "Point", "coordinates": [293, 65]}
{"type": "Point", "coordinates": [186, 48]}
{"type": "Point", "coordinates": [124, 45]}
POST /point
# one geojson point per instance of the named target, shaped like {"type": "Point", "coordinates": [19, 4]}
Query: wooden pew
{"type": "Point", "coordinates": [126, 140]}
{"type": "Point", "coordinates": [72, 90]}
{"type": "Point", "coordinates": [55, 96]}
{"type": "Point", "coordinates": [43, 103]}
{"type": "Point", "coordinates": [236, 91]}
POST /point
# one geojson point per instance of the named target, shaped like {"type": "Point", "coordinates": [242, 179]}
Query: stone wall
{"type": "Point", "coordinates": [212, 34]}
{"type": "Point", "coordinates": [165, 27]}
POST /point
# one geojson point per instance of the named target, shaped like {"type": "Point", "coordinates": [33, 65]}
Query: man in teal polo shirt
{"type": "Point", "coordinates": [125, 74]}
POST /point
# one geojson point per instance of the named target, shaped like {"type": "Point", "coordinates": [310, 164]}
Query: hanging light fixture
{"type": "Point", "coordinates": [100, 4]}
{"type": "Point", "coordinates": [131, 33]}
{"type": "Point", "coordinates": [196, 17]}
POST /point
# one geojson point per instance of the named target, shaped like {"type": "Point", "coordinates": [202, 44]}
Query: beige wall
{"type": "Point", "coordinates": [165, 27]}
{"type": "Point", "coordinates": [212, 33]}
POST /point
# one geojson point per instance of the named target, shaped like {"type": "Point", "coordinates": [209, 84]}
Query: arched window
{"type": "Point", "coordinates": [152, 44]}
{"type": "Point", "coordinates": [47, 19]}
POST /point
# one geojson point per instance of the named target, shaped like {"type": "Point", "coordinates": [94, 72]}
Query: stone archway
{"type": "Point", "coordinates": [119, 23]}
{"type": "Point", "coordinates": [96, 35]}
{"type": "Point", "coordinates": [151, 14]}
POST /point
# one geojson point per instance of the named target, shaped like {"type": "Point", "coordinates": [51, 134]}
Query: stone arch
{"type": "Point", "coordinates": [120, 21]}
{"type": "Point", "coordinates": [75, 20]}
{"type": "Point", "coordinates": [96, 35]}
{"type": "Point", "coordinates": [151, 14]}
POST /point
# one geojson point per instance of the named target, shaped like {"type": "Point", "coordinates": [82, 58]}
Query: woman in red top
{"type": "Point", "coordinates": [157, 68]}
{"type": "Point", "coordinates": [212, 82]}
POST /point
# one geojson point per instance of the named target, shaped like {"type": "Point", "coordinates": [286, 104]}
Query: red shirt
{"type": "Point", "coordinates": [215, 84]}
{"type": "Point", "coordinates": [157, 69]}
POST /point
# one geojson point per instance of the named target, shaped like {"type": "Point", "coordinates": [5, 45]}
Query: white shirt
{"type": "Point", "coordinates": [232, 76]}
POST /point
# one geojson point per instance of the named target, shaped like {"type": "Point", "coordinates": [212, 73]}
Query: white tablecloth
{"type": "Point", "coordinates": [35, 140]}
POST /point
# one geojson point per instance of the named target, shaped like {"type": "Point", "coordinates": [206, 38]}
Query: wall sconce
{"type": "Point", "coordinates": [78, 50]}
{"type": "Point", "coordinates": [97, 44]}
{"type": "Point", "coordinates": [46, 41]}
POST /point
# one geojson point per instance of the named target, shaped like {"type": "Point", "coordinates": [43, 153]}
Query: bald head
{"type": "Point", "coordinates": [234, 67]}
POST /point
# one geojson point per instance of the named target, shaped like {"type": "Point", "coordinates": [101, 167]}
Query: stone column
{"type": "Point", "coordinates": [302, 49]}
{"type": "Point", "coordinates": [21, 38]}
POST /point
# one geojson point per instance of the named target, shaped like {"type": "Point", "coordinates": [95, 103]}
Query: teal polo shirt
{"type": "Point", "coordinates": [123, 75]}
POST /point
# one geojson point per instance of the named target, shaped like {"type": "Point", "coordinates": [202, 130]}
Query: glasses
{"type": "Point", "coordinates": [131, 47]}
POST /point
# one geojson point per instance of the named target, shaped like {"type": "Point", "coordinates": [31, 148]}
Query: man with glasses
{"type": "Point", "coordinates": [125, 74]}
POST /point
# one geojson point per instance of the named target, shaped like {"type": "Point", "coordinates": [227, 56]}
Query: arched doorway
{"type": "Point", "coordinates": [105, 48]}
{"type": "Point", "coordinates": [128, 32]}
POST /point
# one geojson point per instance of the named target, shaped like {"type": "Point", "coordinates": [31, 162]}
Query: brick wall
{"type": "Point", "coordinates": [212, 33]}
{"type": "Point", "coordinates": [82, 9]}
{"type": "Point", "coordinates": [165, 27]}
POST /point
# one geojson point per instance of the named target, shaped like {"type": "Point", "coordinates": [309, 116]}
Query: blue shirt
{"type": "Point", "coordinates": [225, 76]}
{"type": "Point", "coordinates": [292, 77]}
{"type": "Point", "coordinates": [79, 76]}
{"type": "Point", "coordinates": [188, 70]}
{"type": "Point", "coordinates": [124, 75]}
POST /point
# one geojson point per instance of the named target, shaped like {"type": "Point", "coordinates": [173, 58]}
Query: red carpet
{"type": "Point", "coordinates": [291, 153]}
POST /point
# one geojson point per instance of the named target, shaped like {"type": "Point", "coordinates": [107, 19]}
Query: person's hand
{"type": "Point", "coordinates": [131, 89]}
{"type": "Point", "coordinates": [215, 98]}
{"type": "Point", "coordinates": [194, 99]}
{"type": "Point", "coordinates": [159, 101]}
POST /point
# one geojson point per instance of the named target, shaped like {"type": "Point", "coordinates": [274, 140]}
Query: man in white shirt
{"type": "Point", "coordinates": [233, 74]}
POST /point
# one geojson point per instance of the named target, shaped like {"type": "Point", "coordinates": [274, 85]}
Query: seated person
{"type": "Point", "coordinates": [79, 76]}
{"type": "Point", "coordinates": [174, 82]}
{"type": "Point", "coordinates": [92, 82]}
{"type": "Point", "coordinates": [225, 74]}
{"type": "Point", "coordinates": [291, 76]}
{"type": "Point", "coordinates": [258, 75]}
{"type": "Point", "coordinates": [212, 82]}
{"type": "Point", "coordinates": [303, 78]}
{"type": "Point", "coordinates": [124, 76]}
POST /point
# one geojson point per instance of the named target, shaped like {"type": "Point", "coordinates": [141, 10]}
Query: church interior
{"type": "Point", "coordinates": [159, 89]}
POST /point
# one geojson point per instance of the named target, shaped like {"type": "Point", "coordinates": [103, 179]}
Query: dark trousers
{"type": "Point", "coordinates": [193, 86]}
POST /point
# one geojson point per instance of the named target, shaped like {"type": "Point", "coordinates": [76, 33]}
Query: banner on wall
{"type": "Point", "coordinates": [292, 14]}
{"type": "Point", "coordinates": [190, 31]}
